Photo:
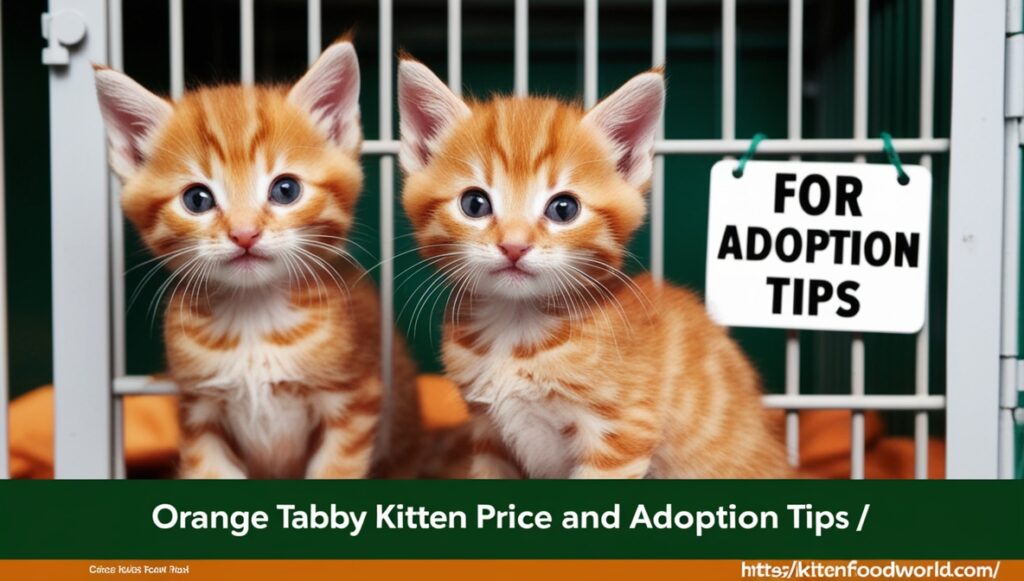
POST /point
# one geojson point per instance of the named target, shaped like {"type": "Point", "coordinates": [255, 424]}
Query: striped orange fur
{"type": "Point", "coordinates": [571, 368]}
{"type": "Point", "coordinates": [271, 329]}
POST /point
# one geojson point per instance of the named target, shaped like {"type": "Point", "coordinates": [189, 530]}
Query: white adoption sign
{"type": "Point", "coordinates": [826, 246]}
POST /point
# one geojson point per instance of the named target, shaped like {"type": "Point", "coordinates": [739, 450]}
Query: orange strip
{"type": "Point", "coordinates": [423, 570]}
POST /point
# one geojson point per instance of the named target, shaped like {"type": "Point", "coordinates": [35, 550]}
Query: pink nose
{"type": "Point", "coordinates": [245, 238]}
{"type": "Point", "coordinates": [514, 251]}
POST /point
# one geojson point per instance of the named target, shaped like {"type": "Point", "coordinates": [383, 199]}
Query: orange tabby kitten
{"type": "Point", "coordinates": [572, 369]}
{"type": "Point", "coordinates": [247, 193]}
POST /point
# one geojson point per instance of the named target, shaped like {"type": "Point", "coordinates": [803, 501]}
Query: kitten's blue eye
{"type": "Point", "coordinates": [285, 190]}
{"type": "Point", "coordinates": [562, 209]}
{"type": "Point", "coordinates": [198, 199]}
{"type": "Point", "coordinates": [475, 204]}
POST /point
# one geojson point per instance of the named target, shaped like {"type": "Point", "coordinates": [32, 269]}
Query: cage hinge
{"type": "Point", "coordinates": [61, 29]}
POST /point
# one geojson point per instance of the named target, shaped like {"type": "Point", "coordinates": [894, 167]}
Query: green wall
{"type": "Point", "coordinates": [556, 63]}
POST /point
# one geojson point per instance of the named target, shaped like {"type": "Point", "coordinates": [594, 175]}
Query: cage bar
{"type": "Point", "coordinates": [921, 378]}
{"type": "Point", "coordinates": [177, 48]}
{"type": "Point", "coordinates": [925, 130]}
{"type": "Point", "coordinates": [659, 42]}
{"type": "Point", "coordinates": [926, 119]}
{"type": "Point", "coordinates": [115, 38]}
{"type": "Point", "coordinates": [1011, 271]}
{"type": "Point", "coordinates": [860, 131]}
{"type": "Point", "coordinates": [792, 389]}
{"type": "Point", "coordinates": [143, 385]}
{"type": "Point", "coordinates": [728, 69]}
{"type": "Point", "coordinates": [1007, 438]}
{"type": "Point", "coordinates": [314, 34]}
{"type": "Point", "coordinates": [975, 240]}
{"type": "Point", "coordinates": [81, 257]}
{"type": "Point", "coordinates": [797, 146]}
{"type": "Point", "coordinates": [522, 48]}
{"type": "Point", "coordinates": [455, 46]}
{"type": "Point", "coordinates": [921, 402]}
{"type": "Point", "coordinates": [857, 403]}
{"type": "Point", "coordinates": [860, 70]}
{"type": "Point", "coordinates": [1010, 349]}
{"type": "Point", "coordinates": [738, 146]}
{"type": "Point", "coordinates": [115, 54]}
{"type": "Point", "coordinates": [857, 420]}
{"type": "Point", "coordinates": [795, 76]}
{"type": "Point", "coordinates": [314, 30]}
{"type": "Point", "coordinates": [794, 122]}
{"type": "Point", "coordinates": [248, 49]}
{"type": "Point", "coordinates": [589, 53]}
{"type": "Point", "coordinates": [387, 209]}
{"type": "Point", "coordinates": [149, 385]}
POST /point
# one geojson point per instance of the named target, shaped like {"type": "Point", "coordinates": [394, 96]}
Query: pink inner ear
{"type": "Point", "coordinates": [632, 127]}
{"type": "Point", "coordinates": [335, 102]}
{"type": "Point", "coordinates": [329, 92]}
{"type": "Point", "coordinates": [425, 123]}
{"type": "Point", "coordinates": [134, 126]}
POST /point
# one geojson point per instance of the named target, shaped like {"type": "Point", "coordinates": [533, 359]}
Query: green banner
{"type": "Point", "coordinates": [506, 519]}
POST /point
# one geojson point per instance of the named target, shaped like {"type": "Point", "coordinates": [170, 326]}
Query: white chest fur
{"type": "Point", "coordinates": [271, 427]}
{"type": "Point", "coordinates": [254, 363]}
{"type": "Point", "coordinates": [531, 424]}
{"type": "Point", "coordinates": [496, 375]}
{"type": "Point", "coordinates": [275, 438]}
{"type": "Point", "coordinates": [533, 431]}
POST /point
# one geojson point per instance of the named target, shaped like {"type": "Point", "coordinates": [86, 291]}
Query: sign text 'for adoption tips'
{"type": "Point", "coordinates": [827, 246]}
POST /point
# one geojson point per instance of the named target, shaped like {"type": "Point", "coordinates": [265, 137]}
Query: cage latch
{"type": "Point", "coordinates": [62, 29]}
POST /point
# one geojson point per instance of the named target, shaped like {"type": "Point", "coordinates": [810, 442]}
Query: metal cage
{"type": "Point", "coordinates": [984, 217]}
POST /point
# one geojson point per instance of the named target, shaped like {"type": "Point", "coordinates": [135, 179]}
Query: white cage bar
{"type": "Point", "coordinates": [658, 54]}
{"type": "Point", "coordinates": [728, 69]}
{"type": "Point", "coordinates": [589, 53]}
{"type": "Point", "coordinates": [975, 240]}
{"type": "Point", "coordinates": [314, 28]}
{"type": "Point", "coordinates": [247, 33]}
{"type": "Point", "coordinates": [387, 208]}
{"type": "Point", "coordinates": [177, 48]}
{"type": "Point", "coordinates": [983, 230]}
{"type": "Point", "coordinates": [522, 48]}
{"type": "Point", "coordinates": [1009, 348]}
{"type": "Point", "coordinates": [860, 131]}
{"type": "Point", "coordinates": [925, 130]}
{"type": "Point", "coordinates": [82, 346]}
{"type": "Point", "coordinates": [737, 146]}
{"type": "Point", "coordinates": [455, 46]}
{"type": "Point", "coordinates": [794, 126]}
{"type": "Point", "coordinates": [115, 54]}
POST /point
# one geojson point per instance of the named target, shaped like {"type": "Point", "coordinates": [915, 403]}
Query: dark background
{"type": "Point", "coordinates": [556, 67]}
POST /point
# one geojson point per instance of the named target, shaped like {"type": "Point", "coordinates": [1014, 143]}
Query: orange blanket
{"type": "Point", "coordinates": [151, 436]}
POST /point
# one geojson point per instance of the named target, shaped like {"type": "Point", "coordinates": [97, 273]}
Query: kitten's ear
{"type": "Point", "coordinates": [329, 92]}
{"type": "Point", "coordinates": [131, 115]}
{"type": "Point", "coordinates": [629, 118]}
{"type": "Point", "coordinates": [428, 110]}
